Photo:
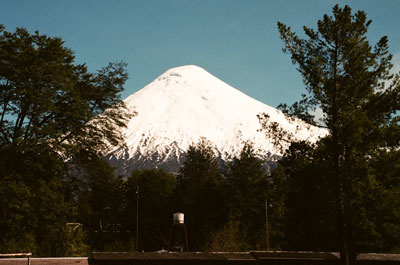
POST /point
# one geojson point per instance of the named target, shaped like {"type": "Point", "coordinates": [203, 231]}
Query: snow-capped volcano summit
{"type": "Point", "coordinates": [184, 104]}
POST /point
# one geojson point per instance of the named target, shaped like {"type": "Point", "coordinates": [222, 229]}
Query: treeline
{"type": "Point", "coordinates": [224, 211]}
{"type": "Point", "coordinates": [229, 209]}
{"type": "Point", "coordinates": [49, 216]}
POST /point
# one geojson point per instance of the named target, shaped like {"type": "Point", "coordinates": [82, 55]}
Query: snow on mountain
{"type": "Point", "coordinates": [186, 103]}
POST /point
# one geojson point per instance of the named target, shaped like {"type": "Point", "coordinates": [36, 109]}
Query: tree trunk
{"type": "Point", "coordinates": [344, 249]}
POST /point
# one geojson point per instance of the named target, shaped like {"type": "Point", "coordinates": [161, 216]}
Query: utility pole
{"type": "Point", "coordinates": [266, 224]}
{"type": "Point", "coordinates": [137, 218]}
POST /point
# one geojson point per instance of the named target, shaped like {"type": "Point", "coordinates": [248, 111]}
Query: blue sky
{"type": "Point", "coordinates": [236, 40]}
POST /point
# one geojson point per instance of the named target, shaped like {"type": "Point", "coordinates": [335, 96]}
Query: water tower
{"type": "Point", "coordinates": [177, 232]}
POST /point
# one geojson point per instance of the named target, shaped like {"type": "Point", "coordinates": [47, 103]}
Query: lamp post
{"type": "Point", "coordinates": [266, 224]}
{"type": "Point", "coordinates": [137, 218]}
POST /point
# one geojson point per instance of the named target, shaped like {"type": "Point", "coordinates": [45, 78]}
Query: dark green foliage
{"type": "Point", "coordinates": [45, 98]}
{"type": "Point", "coordinates": [156, 195]}
{"type": "Point", "coordinates": [301, 110]}
{"type": "Point", "coordinates": [54, 117]}
{"type": "Point", "coordinates": [75, 241]}
{"type": "Point", "coordinates": [386, 168]}
{"type": "Point", "coordinates": [277, 211]}
{"type": "Point", "coordinates": [225, 239]}
{"type": "Point", "coordinates": [201, 192]}
{"type": "Point", "coordinates": [32, 204]}
{"type": "Point", "coordinates": [247, 185]}
{"type": "Point", "coordinates": [311, 214]}
{"type": "Point", "coordinates": [100, 197]}
{"type": "Point", "coordinates": [307, 216]}
{"type": "Point", "coordinates": [350, 82]}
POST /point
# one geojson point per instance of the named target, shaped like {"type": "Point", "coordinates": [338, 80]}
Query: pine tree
{"type": "Point", "coordinates": [200, 189]}
{"type": "Point", "coordinates": [350, 82]}
{"type": "Point", "coordinates": [247, 182]}
{"type": "Point", "coordinates": [307, 216]}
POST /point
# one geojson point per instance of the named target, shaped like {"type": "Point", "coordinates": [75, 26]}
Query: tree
{"type": "Point", "coordinates": [307, 217]}
{"type": "Point", "coordinates": [51, 112]}
{"type": "Point", "coordinates": [386, 167]}
{"type": "Point", "coordinates": [47, 100]}
{"type": "Point", "coordinates": [156, 194]}
{"type": "Point", "coordinates": [99, 203]}
{"type": "Point", "coordinates": [350, 82]}
{"type": "Point", "coordinates": [33, 209]}
{"type": "Point", "coordinates": [247, 185]}
{"type": "Point", "coordinates": [200, 189]}
{"type": "Point", "coordinates": [225, 239]}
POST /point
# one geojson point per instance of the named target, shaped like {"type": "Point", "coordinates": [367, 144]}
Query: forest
{"type": "Point", "coordinates": [59, 198]}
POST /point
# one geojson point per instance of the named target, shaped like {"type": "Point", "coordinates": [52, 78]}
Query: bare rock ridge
{"type": "Point", "coordinates": [186, 103]}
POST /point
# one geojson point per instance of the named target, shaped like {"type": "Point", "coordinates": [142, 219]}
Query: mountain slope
{"type": "Point", "coordinates": [186, 103]}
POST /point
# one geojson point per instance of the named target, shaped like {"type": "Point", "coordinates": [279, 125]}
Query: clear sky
{"type": "Point", "coordinates": [236, 40]}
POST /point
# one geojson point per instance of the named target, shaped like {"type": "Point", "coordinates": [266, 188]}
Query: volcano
{"type": "Point", "coordinates": [186, 103]}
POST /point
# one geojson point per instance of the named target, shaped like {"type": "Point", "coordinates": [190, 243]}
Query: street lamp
{"type": "Point", "coordinates": [266, 224]}
{"type": "Point", "coordinates": [137, 218]}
